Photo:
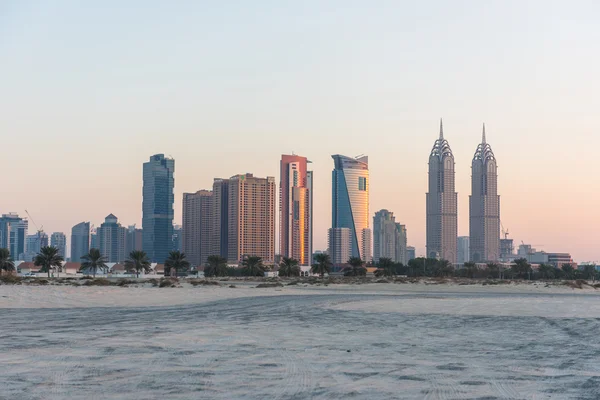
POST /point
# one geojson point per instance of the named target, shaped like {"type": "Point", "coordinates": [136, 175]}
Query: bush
{"type": "Point", "coordinates": [97, 282]}
{"type": "Point", "coordinates": [268, 285]}
{"type": "Point", "coordinates": [10, 279]}
{"type": "Point", "coordinates": [167, 283]}
{"type": "Point", "coordinates": [125, 282]}
{"type": "Point", "coordinates": [153, 281]}
{"type": "Point", "coordinates": [204, 282]}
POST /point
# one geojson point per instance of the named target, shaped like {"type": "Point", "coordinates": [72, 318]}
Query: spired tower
{"type": "Point", "coordinates": [442, 202]}
{"type": "Point", "coordinates": [484, 205]}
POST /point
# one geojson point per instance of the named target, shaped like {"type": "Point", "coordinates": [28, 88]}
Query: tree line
{"type": "Point", "coordinates": [49, 260]}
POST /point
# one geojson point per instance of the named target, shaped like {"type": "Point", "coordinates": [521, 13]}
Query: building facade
{"type": "Point", "coordinates": [442, 202]}
{"type": "Point", "coordinates": [157, 207]}
{"type": "Point", "coordinates": [133, 240]}
{"type": "Point", "coordinates": [463, 249]}
{"type": "Point", "coordinates": [59, 240]}
{"type": "Point", "coordinates": [197, 226]}
{"type": "Point", "coordinates": [339, 243]}
{"type": "Point", "coordinates": [34, 245]}
{"type": "Point", "coordinates": [251, 218]}
{"type": "Point", "coordinates": [80, 241]}
{"type": "Point", "coordinates": [13, 235]}
{"type": "Point", "coordinates": [219, 238]}
{"type": "Point", "coordinates": [111, 239]}
{"type": "Point", "coordinates": [350, 202]}
{"type": "Point", "coordinates": [389, 238]}
{"type": "Point", "coordinates": [401, 244]}
{"type": "Point", "coordinates": [295, 209]}
{"type": "Point", "coordinates": [411, 253]}
{"type": "Point", "coordinates": [484, 205]}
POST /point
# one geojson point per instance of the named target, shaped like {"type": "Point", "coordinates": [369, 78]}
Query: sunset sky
{"type": "Point", "coordinates": [89, 90]}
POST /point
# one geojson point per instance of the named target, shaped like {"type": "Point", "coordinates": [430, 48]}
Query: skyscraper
{"type": "Point", "coordinates": [219, 238]}
{"type": "Point", "coordinates": [384, 235]}
{"type": "Point", "coordinates": [111, 239]}
{"type": "Point", "coordinates": [59, 240]}
{"type": "Point", "coordinates": [350, 202]}
{"type": "Point", "coordinates": [157, 207]}
{"type": "Point", "coordinates": [484, 205]}
{"type": "Point", "coordinates": [176, 241]}
{"type": "Point", "coordinates": [295, 209]}
{"type": "Point", "coordinates": [13, 235]}
{"type": "Point", "coordinates": [441, 202]}
{"type": "Point", "coordinates": [339, 243]}
{"type": "Point", "coordinates": [197, 226]}
{"type": "Point", "coordinates": [251, 218]}
{"type": "Point", "coordinates": [133, 240]}
{"type": "Point", "coordinates": [80, 241]}
{"type": "Point", "coordinates": [34, 244]}
{"type": "Point", "coordinates": [401, 244]}
{"type": "Point", "coordinates": [389, 237]}
{"type": "Point", "coordinates": [463, 250]}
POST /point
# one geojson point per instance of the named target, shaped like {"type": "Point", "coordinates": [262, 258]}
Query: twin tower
{"type": "Point", "coordinates": [442, 204]}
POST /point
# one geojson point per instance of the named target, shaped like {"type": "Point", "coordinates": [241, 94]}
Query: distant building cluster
{"type": "Point", "coordinates": [236, 218]}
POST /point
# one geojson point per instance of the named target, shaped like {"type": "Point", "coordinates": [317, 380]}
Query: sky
{"type": "Point", "coordinates": [89, 90]}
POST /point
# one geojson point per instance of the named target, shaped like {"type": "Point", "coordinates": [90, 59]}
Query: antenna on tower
{"type": "Point", "coordinates": [441, 130]}
{"type": "Point", "coordinates": [483, 134]}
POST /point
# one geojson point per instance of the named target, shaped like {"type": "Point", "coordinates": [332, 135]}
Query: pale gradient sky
{"type": "Point", "coordinates": [89, 90]}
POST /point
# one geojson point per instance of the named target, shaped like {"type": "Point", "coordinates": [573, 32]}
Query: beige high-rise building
{"type": "Point", "coordinates": [251, 218]}
{"type": "Point", "coordinates": [197, 226]}
{"type": "Point", "coordinates": [111, 239]}
{"type": "Point", "coordinates": [339, 243]}
{"type": "Point", "coordinates": [389, 237]}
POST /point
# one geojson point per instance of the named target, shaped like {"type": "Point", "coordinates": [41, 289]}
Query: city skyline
{"type": "Point", "coordinates": [539, 104]}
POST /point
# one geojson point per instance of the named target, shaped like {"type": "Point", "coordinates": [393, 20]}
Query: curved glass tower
{"type": "Point", "coordinates": [350, 202]}
{"type": "Point", "coordinates": [484, 205]}
{"type": "Point", "coordinates": [442, 202]}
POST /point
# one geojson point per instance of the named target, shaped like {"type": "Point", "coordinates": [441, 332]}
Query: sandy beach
{"type": "Point", "coordinates": [373, 341]}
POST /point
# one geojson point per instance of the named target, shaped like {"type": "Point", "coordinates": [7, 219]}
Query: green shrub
{"type": "Point", "coordinates": [97, 282]}
{"type": "Point", "coordinates": [10, 279]}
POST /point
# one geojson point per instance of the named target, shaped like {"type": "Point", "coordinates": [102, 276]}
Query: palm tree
{"type": "Point", "coordinates": [93, 261]}
{"type": "Point", "coordinates": [138, 261]}
{"type": "Point", "coordinates": [48, 258]}
{"type": "Point", "coordinates": [470, 269]}
{"type": "Point", "coordinates": [178, 261]}
{"type": "Point", "coordinates": [521, 267]}
{"type": "Point", "coordinates": [493, 269]}
{"type": "Point", "coordinates": [215, 266]}
{"type": "Point", "coordinates": [386, 267]}
{"type": "Point", "coordinates": [568, 270]}
{"type": "Point", "coordinates": [6, 263]}
{"type": "Point", "coordinates": [322, 266]}
{"type": "Point", "coordinates": [253, 266]}
{"type": "Point", "coordinates": [289, 267]}
{"type": "Point", "coordinates": [590, 272]}
{"type": "Point", "coordinates": [356, 267]}
{"type": "Point", "coordinates": [546, 271]}
{"type": "Point", "coordinates": [444, 268]}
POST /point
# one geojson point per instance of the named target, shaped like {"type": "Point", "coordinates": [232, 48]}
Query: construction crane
{"type": "Point", "coordinates": [504, 231]}
{"type": "Point", "coordinates": [40, 229]}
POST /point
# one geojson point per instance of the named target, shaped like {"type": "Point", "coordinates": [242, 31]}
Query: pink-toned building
{"type": "Point", "coordinates": [295, 209]}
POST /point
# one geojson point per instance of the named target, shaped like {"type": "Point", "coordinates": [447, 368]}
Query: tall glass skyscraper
{"type": "Point", "coordinates": [350, 202]}
{"type": "Point", "coordinates": [484, 205]}
{"type": "Point", "coordinates": [442, 202]}
{"type": "Point", "coordinates": [157, 207]}
{"type": "Point", "coordinates": [80, 241]}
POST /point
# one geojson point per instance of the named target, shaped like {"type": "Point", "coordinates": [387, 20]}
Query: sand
{"type": "Point", "coordinates": [377, 341]}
